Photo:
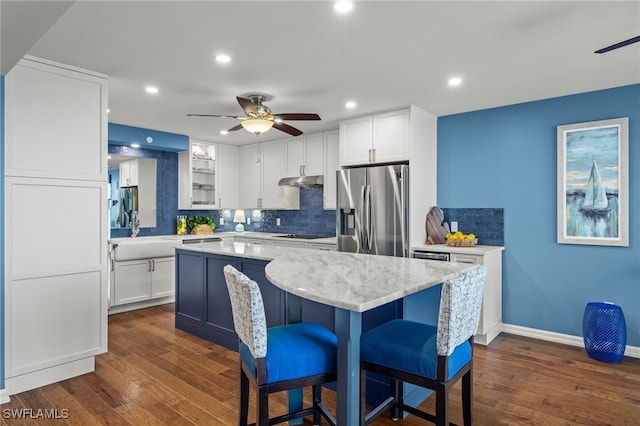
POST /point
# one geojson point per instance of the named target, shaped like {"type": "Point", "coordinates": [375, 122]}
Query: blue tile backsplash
{"type": "Point", "coordinates": [486, 224]}
{"type": "Point", "coordinates": [310, 219]}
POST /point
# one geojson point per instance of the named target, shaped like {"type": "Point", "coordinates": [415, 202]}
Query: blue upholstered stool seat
{"type": "Point", "coordinates": [411, 347]}
{"type": "Point", "coordinates": [313, 345]}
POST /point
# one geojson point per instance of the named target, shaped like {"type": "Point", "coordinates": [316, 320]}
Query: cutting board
{"type": "Point", "coordinates": [436, 227]}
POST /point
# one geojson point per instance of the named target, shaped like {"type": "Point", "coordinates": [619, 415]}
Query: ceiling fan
{"type": "Point", "coordinates": [619, 45]}
{"type": "Point", "coordinates": [258, 117]}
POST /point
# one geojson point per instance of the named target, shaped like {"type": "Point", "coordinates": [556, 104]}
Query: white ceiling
{"type": "Point", "coordinates": [306, 58]}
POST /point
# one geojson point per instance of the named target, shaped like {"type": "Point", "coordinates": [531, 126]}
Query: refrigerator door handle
{"type": "Point", "coordinates": [363, 228]}
{"type": "Point", "coordinates": [368, 214]}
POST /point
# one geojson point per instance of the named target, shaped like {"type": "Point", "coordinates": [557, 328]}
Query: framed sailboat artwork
{"type": "Point", "coordinates": [593, 183]}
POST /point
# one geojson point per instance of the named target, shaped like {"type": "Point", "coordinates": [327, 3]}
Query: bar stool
{"type": "Point", "coordinates": [279, 358]}
{"type": "Point", "coordinates": [427, 356]}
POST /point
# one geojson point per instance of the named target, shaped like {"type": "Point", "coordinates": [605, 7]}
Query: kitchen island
{"type": "Point", "coordinates": [361, 290]}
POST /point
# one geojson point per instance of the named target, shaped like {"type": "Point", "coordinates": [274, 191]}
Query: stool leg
{"type": "Point", "coordinates": [467, 398]}
{"type": "Point", "coordinates": [262, 406]}
{"type": "Point", "coordinates": [442, 405]}
{"type": "Point", "coordinates": [244, 398]}
{"type": "Point", "coordinates": [317, 400]}
{"type": "Point", "coordinates": [398, 402]}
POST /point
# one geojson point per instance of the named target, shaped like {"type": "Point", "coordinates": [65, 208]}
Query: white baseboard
{"type": "Point", "coordinates": [36, 379]}
{"type": "Point", "coordinates": [4, 396]}
{"type": "Point", "coordinates": [567, 339]}
{"type": "Point", "coordinates": [141, 305]}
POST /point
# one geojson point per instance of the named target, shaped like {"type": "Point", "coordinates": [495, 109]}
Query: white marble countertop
{"type": "Point", "coordinates": [356, 282]}
{"type": "Point", "coordinates": [443, 248]}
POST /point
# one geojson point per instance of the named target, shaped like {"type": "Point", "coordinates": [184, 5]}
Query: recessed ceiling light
{"type": "Point", "coordinates": [455, 81]}
{"type": "Point", "coordinates": [224, 132]}
{"type": "Point", "coordinates": [343, 6]}
{"type": "Point", "coordinates": [151, 89]}
{"type": "Point", "coordinates": [149, 139]}
{"type": "Point", "coordinates": [350, 104]}
{"type": "Point", "coordinates": [135, 145]}
{"type": "Point", "coordinates": [223, 58]}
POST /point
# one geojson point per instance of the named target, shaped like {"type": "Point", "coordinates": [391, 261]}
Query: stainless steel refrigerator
{"type": "Point", "coordinates": [372, 212]}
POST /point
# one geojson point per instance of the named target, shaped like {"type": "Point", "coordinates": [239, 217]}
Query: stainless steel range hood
{"type": "Point", "coordinates": [302, 181]}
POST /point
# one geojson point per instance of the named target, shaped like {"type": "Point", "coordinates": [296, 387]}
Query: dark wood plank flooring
{"type": "Point", "coordinates": [154, 374]}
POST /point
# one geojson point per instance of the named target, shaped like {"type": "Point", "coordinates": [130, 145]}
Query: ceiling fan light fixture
{"type": "Point", "coordinates": [257, 125]}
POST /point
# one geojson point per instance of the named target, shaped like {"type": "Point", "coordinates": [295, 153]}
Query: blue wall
{"type": "Point", "coordinates": [1, 232]}
{"type": "Point", "coordinates": [506, 157]}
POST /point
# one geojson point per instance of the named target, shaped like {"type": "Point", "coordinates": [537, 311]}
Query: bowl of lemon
{"type": "Point", "coordinates": [458, 239]}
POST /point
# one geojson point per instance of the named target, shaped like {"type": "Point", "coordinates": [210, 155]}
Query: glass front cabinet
{"type": "Point", "coordinates": [197, 176]}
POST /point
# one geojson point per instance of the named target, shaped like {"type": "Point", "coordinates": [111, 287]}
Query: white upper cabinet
{"type": "Point", "coordinates": [356, 139]}
{"type": "Point", "coordinates": [208, 177]}
{"type": "Point", "coordinates": [273, 167]}
{"type": "Point", "coordinates": [250, 166]}
{"type": "Point", "coordinates": [331, 165]}
{"type": "Point", "coordinates": [378, 138]}
{"type": "Point", "coordinates": [261, 167]}
{"type": "Point", "coordinates": [227, 176]}
{"type": "Point", "coordinates": [129, 173]}
{"type": "Point", "coordinates": [197, 174]}
{"type": "Point", "coordinates": [305, 155]}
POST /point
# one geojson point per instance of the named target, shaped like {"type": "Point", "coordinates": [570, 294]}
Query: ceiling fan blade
{"type": "Point", "coordinates": [234, 128]}
{"type": "Point", "coordinates": [298, 116]}
{"type": "Point", "coordinates": [216, 115]}
{"type": "Point", "coordinates": [248, 106]}
{"type": "Point", "coordinates": [287, 129]}
{"type": "Point", "coordinates": [619, 45]}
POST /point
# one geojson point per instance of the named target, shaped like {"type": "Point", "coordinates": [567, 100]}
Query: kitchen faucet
{"type": "Point", "coordinates": [135, 224]}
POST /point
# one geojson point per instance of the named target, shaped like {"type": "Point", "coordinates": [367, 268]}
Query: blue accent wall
{"type": "Point", "coordinates": [120, 134]}
{"type": "Point", "coordinates": [1, 232]}
{"type": "Point", "coordinates": [506, 157]}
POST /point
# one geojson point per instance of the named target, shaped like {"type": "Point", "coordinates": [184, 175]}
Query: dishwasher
{"type": "Point", "coordinates": [431, 255]}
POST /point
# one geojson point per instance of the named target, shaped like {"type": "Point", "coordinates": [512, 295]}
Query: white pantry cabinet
{"type": "Point", "coordinates": [331, 166]}
{"type": "Point", "coordinates": [305, 155]}
{"type": "Point", "coordinates": [378, 138]}
{"type": "Point", "coordinates": [56, 279]}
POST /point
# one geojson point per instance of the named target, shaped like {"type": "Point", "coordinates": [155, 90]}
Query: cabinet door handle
{"type": "Point", "coordinates": [148, 266]}
{"type": "Point", "coordinates": [153, 265]}
{"type": "Point", "coordinates": [370, 160]}
{"type": "Point", "coordinates": [374, 155]}
{"type": "Point", "coordinates": [220, 202]}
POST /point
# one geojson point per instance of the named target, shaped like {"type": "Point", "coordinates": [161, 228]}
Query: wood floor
{"type": "Point", "coordinates": [154, 374]}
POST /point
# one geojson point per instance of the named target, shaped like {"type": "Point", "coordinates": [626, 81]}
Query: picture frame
{"type": "Point", "coordinates": [593, 183]}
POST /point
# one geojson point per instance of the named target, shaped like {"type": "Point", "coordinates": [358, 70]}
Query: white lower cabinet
{"type": "Point", "coordinates": [141, 280]}
{"type": "Point", "coordinates": [491, 313]}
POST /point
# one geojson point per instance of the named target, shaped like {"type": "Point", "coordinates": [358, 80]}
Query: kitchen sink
{"type": "Point", "coordinates": [144, 248]}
